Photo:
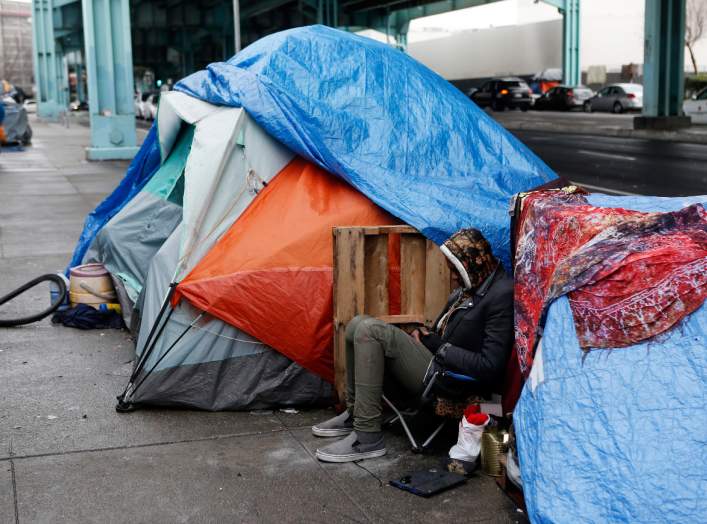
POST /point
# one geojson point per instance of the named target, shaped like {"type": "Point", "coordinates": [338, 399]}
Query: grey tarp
{"type": "Point", "coordinates": [15, 124]}
{"type": "Point", "coordinates": [147, 218]}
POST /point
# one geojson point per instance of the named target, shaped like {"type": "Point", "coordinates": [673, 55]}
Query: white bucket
{"type": "Point", "coordinates": [91, 284]}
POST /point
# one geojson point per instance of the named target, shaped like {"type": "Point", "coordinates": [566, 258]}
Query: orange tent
{"type": "Point", "coordinates": [271, 272]}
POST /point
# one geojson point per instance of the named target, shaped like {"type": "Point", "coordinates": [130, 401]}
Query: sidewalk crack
{"type": "Point", "coordinates": [326, 473]}
{"type": "Point", "coordinates": [14, 484]}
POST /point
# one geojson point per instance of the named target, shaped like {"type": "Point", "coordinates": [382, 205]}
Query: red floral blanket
{"type": "Point", "coordinates": [629, 275]}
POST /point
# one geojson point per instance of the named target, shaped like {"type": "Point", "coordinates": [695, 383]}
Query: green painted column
{"type": "Point", "coordinates": [572, 72]}
{"type": "Point", "coordinates": [47, 61]}
{"type": "Point", "coordinates": [571, 67]}
{"type": "Point", "coordinates": [664, 58]}
{"type": "Point", "coordinates": [109, 68]}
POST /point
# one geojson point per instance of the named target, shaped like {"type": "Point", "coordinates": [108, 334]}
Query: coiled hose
{"type": "Point", "coordinates": [50, 277]}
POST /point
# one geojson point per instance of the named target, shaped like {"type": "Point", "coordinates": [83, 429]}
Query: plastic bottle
{"type": "Point", "coordinates": [55, 292]}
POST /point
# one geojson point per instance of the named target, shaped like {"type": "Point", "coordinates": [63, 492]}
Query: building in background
{"type": "Point", "coordinates": [16, 44]}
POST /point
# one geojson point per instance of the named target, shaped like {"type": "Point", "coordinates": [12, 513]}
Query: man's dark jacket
{"type": "Point", "coordinates": [479, 335]}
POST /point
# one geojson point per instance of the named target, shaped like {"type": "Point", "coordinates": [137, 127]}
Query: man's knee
{"type": "Point", "coordinates": [352, 326]}
{"type": "Point", "coordinates": [370, 328]}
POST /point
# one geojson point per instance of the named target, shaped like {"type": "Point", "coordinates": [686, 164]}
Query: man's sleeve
{"type": "Point", "coordinates": [487, 365]}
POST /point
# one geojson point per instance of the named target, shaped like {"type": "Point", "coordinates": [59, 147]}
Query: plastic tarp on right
{"type": "Point", "coordinates": [616, 435]}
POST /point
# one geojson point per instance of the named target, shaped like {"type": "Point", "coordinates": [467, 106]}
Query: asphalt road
{"type": "Point", "coordinates": [623, 165]}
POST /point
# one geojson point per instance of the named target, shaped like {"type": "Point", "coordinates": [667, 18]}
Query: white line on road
{"type": "Point", "coordinates": [604, 189]}
{"type": "Point", "coordinates": [606, 155]}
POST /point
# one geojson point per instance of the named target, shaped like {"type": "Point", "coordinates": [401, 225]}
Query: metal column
{"type": "Point", "coordinates": [46, 61]}
{"type": "Point", "coordinates": [237, 25]}
{"type": "Point", "coordinates": [571, 68]}
{"type": "Point", "coordinates": [109, 68]}
{"type": "Point", "coordinates": [664, 66]}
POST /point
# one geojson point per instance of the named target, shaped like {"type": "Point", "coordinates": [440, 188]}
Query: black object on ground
{"type": "Point", "coordinates": [429, 482]}
{"type": "Point", "coordinates": [84, 316]}
{"type": "Point", "coordinates": [50, 277]}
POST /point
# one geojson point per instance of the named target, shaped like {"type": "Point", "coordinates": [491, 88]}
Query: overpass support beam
{"type": "Point", "coordinates": [47, 61]}
{"type": "Point", "coordinates": [663, 66]}
{"type": "Point", "coordinates": [109, 68]}
{"type": "Point", "coordinates": [571, 68]}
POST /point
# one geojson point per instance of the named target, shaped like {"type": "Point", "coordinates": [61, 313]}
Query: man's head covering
{"type": "Point", "coordinates": [471, 255]}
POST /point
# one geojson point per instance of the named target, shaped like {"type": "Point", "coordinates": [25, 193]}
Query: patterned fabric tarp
{"type": "Point", "coordinates": [596, 255]}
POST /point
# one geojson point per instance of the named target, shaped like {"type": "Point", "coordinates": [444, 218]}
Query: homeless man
{"type": "Point", "coordinates": [472, 336]}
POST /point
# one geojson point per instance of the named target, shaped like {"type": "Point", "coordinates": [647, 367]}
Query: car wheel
{"type": "Point", "coordinates": [618, 108]}
{"type": "Point", "coordinates": [587, 107]}
{"type": "Point", "coordinates": [496, 106]}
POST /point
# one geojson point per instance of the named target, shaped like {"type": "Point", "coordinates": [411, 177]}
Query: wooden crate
{"type": "Point", "coordinates": [361, 277]}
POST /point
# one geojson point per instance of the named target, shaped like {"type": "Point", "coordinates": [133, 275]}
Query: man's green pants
{"type": "Point", "coordinates": [375, 349]}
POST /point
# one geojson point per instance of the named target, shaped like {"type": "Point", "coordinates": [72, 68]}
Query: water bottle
{"type": "Point", "coordinates": [55, 292]}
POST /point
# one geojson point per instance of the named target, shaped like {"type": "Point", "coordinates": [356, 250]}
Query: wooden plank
{"type": "Point", "coordinates": [348, 294]}
{"type": "Point", "coordinates": [388, 230]}
{"type": "Point", "coordinates": [437, 282]}
{"type": "Point", "coordinates": [376, 275]}
{"type": "Point", "coordinates": [402, 319]}
{"type": "Point", "coordinates": [380, 230]}
{"type": "Point", "coordinates": [412, 274]}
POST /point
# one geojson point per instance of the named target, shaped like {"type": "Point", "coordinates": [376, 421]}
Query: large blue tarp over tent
{"type": "Point", "coordinates": [395, 130]}
{"type": "Point", "coordinates": [619, 435]}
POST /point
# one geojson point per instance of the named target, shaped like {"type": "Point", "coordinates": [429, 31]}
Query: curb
{"type": "Point", "coordinates": [666, 136]}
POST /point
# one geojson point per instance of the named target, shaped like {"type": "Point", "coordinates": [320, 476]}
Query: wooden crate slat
{"type": "Point", "coordinates": [412, 274]}
{"type": "Point", "coordinates": [402, 319]}
{"type": "Point", "coordinates": [349, 294]}
{"type": "Point", "coordinates": [376, 275]}
{"type": "Point", "coordinates": [437, 282]}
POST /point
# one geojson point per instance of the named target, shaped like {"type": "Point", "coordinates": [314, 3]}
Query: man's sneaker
{"type": "Point", "coordinates": [339, 426]}
{"type": "Point", "coordinates": [350, 449]}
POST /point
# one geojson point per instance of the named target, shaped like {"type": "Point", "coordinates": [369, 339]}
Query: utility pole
{"type": "Point", "coordinates": [237, 25]}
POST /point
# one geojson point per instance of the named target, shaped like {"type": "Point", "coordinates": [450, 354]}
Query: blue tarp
{"type": "Point", "coordinates": [140, 170]}
{"type": "Point", "coordinates": [395, 130]}
{"type": "Point", "coordinates": [618, 436]}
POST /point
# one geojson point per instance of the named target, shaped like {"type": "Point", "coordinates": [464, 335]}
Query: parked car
{"type": "Point", "coordinates": [696, 107]}
{"type": "Point", "coordinates": [616, 98]}
{"type": "Point", "coordinates": [500, 93]}
{"type": "Point", "coordinates": [564, 98]}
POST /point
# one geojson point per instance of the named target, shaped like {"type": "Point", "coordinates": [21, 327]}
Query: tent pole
{"type": "Point", "coordinates": [150, 344]}
{"type": "Point", "coordinates": [170, 348]}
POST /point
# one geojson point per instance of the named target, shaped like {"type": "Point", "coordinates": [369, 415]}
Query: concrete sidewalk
{"type": "Point", "coordinates": [67, 456]}
{"type": "Point", "coordinates": [599, 124]}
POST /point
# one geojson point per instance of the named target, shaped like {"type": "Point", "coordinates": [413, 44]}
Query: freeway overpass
{"type": "Point", "coordinates": [113, 38]}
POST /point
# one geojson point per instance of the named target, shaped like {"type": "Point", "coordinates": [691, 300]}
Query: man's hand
{"type": "Point", "coordinates": [419, 332]}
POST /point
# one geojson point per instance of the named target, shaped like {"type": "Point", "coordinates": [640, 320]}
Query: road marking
{"type": "Point", "coordinates": [604, 189]}
{"type": "Point", "coordinates": [606, 155]}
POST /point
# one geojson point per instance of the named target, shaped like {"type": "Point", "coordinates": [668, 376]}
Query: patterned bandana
{"type": "Point", "coordinates": [471, 254]}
